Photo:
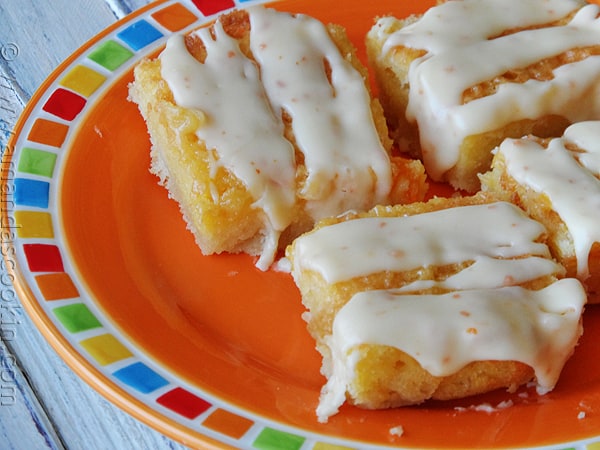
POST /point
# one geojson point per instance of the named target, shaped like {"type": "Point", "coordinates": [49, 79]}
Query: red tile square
{"type": "Point", "coordinates": [210, 7]}
{"type": "Point", "coordinates": [184, 403]}
{"type": "Point", "coordinates": [64, 104]}
{"type": "Point", "coordinates": [43, 258]}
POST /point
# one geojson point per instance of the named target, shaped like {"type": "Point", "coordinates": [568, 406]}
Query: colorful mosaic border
{"type": "Point", "coordinates": [31, 199]}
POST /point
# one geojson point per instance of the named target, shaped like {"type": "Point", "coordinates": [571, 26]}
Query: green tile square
{"type": "Point", "coordinates": [37, 162]}
{"type": "Point", "coordinates": [76, 317]}
{"type": "Point", "coordinates": [270, 439]}
{"type": "Point", "coordinates": [110, 55]}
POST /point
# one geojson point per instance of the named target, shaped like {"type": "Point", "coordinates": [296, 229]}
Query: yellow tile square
{"type": "Point", "coordinates": [324, 446]}
{"type": "Point", "coordinates": [34, 224]}
{"type": "Point", "coordinates": [105, 349]}
{"type": "Point", "coordinates": [83, 80]}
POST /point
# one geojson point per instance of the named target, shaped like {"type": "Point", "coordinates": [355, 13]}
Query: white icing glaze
{"type": "Point", "coordinates": [332, 121]}
{"type": "Point", "coordinates": [466, 52]}
{"type": "Point", "coordinates": [573, 190]}
{"type": "Point", "coordinates": [242, 101]}
{"type": "Point", "coordinates": [486, 272]}
{"type": "Point", "coordinates": [481, 233]}
{"type": "Point", "coordinates": [446, 332]}
{"type": "Point", "coordinates": [457, 23]}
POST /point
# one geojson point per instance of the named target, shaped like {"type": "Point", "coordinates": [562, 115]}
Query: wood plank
{"type": "Point", "coordinates": [23, 421]}
{"type": "Point", "coordinates": [123, 7]}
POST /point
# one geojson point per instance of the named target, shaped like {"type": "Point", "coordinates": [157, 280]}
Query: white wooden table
{"type": "Point", "coordinates": [43, 404]}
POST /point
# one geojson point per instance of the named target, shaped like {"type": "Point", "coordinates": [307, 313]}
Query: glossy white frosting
{"type": "Point", "coordinates": [489, 235]}
{"type": "Point", "coordinates": [251, 146]}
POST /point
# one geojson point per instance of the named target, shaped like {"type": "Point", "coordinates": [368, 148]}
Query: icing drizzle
{"type": "Point", "coordinates": [489, 235]}
{"type": "Point", "coordinates": [252, 145]}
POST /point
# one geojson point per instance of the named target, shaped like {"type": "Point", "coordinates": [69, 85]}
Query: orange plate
{"type": "Point", "coordinates": [222, 328]}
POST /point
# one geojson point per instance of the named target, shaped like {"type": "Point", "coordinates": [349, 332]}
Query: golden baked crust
{"type": "Point", "coordinates": [388, 378]}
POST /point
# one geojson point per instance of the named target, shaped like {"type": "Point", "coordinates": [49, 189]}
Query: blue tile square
{"type": "Point", "coordinates": [31, 192]}
{"type": "Point", "coordinates": [139, 34]}
{"type": "Point", "coordinates": [140, 377]}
